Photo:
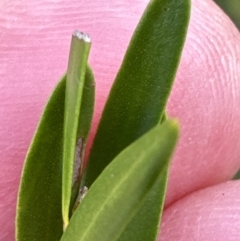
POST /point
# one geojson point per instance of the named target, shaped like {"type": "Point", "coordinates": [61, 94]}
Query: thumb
{"type": "Point", "coordinates": [211, 214]}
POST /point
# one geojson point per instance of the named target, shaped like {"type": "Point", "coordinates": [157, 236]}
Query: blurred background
{"type": "Point", "coordinates": [232, 8]}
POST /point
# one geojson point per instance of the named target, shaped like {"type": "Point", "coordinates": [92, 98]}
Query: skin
{"type": "Point", "coordinates": [34, 44]}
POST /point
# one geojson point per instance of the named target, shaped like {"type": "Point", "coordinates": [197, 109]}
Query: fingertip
{"type": "Point", "coordinates": [205, 98]}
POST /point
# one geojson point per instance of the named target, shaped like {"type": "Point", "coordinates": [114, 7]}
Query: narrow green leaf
{"type": "Point", "coordinates": [149, 214]}
{"type": "Point", "coordinates": [39, 202]}
{"type": "Point", "coordinates": [139, 94]}
{"type": "Point", "coordinates": [117, 194]}
{"type": "Point", "coordinates": [73, 136]}
{"type": "Point", "coordinates": [138, 99]}
{"type": "Point", "coordinates": [39, 215]}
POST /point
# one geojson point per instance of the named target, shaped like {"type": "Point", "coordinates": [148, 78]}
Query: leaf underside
{"type": "Point", "coordinates": [39, 203]}
{"type": "Point", "coordinates": [123, 186]}
{"type": "Point", "coordinates": [39, 208]}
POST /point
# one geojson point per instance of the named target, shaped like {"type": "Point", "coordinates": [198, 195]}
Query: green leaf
{"type": "Point", "coordinates": [75, 135]}
{"type": "Point", "coordinates": [39, 215]}
{"type": "Point", "coordinates": [149, 214]}
{"type": "Point", "coordinates": [139, 94]}
{"type": "Point", "coordinates": [117, 194]}
{"type": "Point", "coordinates": [39, 202]}
{"type": "Point", "coordinates": [138, 99]}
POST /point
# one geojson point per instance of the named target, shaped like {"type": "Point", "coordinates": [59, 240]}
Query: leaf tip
{"type": "Point", "coordinates": [82, 36]}
{"type": "Point", "coordinates": [175, 123]}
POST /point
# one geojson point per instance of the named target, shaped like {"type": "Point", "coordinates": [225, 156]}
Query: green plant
{"type": "Point", "coordinates": [127, 169]}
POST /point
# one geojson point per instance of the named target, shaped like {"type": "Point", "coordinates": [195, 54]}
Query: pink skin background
{"type": "Point", "coordinates": [34, 43]}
